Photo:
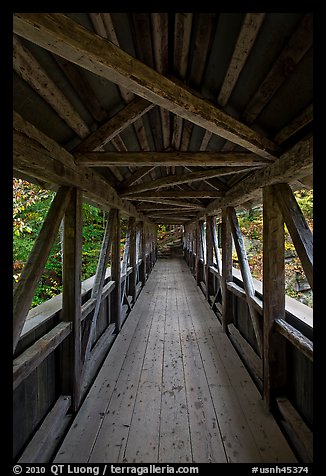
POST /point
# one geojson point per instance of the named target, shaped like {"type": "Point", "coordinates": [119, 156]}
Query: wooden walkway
{"type": "Point", "coordinates": [173, 389]}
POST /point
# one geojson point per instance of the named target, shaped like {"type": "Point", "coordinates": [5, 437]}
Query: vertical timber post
{"type": "Point", "coordinates": [142, 268]}
{"type": "Point", "coordinates": [71, 305]}
{"type": "Point", "coordinates": [199, 248]}
{"type": "Point", "coordinates": [132, 260]}
{"type": "Point", "coordinates": [227, 315]}
{"type": "Point", "coordinates": [209, 255]}
{"type": "Point", "coordinates": [116, 273]}
{"type": "Point", "coordinates": [274, 349]}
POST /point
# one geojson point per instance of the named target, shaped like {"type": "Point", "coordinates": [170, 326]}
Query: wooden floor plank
{"type": "Point", "coordinates": [241, 398]}
{"type": "Point", "coordinates": [175, 443]}
{"type": "Point", "coordinates": [81, 437]}
{"type": "Point", "coordinates": [111, 440]}
{"type": "Point", "coordinates": [143, 440]}
{"type": "Point", "coordinates": [173, 389]}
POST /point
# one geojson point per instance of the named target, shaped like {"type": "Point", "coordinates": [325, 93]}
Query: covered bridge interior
{"type": "Point", "coordinates": [179, 119]}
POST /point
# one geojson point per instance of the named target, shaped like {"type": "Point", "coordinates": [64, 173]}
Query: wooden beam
{"type": "Point", "coordinates": [168, 209]}
{"type": "Point", "coordinates": [299, 433]}
{"type": "Point", "coordinates": [133, 260]}
{"type": "Point", "coordinates": [282, 68]}
{"type": "Point", "coordinates": [160, 33]}
{"type": "Point", "coordinates": [44, 443]}
{"type": "Point", "coordinates": [300, 341]}
{"type": "Point", "coordinates": [298, 227]}
{"type": "Point", "coordinates": [61, 35]}
{"type": "Point", "coordinates": [125, 259]}
{"type": "Point", "coordinates": [179, 179]}
{"type": "Point", "coordinates": [82, 88]}
{"type": "Point", "coordinates": [116, 272]}
{"type": "Point", "coordinates": [71, 298]}
{"type": "Point", "coordinates": [115, 125]}
{"type": "Point", "coordinates": [31, 358]}
{"type": "Point", "coordinates": [199, 251]}
{"type": "Point", "coordinates": [179, 194]}
{"type": "Point", "coordinates": [292, 165]}
{"type": "Point", "coordinates": [209, 255]}
{"type": "Point", "coordinates": [137, 159]}
{"type": "Point", "coordinates": [246, 39]}
{"type": "Point", "coordinates": [42, 157]}
{"type": "Point", "coordinates": [33, 269]}
{"type": "Point", "coordinates": [246, 276]}
{"type": "Point", "coordinates": [227, 308]}
{"type": "Point", "coordinates": [274, 353]}
{"type": "Point", "coordinates": [177, 203]}
{"type": "Point", "coordinates": [98, 287]}
{"type": "Point", "coordinates": [31, 71]}
{"type": "Point", "coordinates": [103, 26]}
{"type": "Point", "coordinates": [304, 118]}
{"type": "Point", "coordinates": [134, 177]}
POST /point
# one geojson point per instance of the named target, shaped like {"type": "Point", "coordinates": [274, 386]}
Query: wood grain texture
{"type": "Point", "coordinates": [274, 358]}
{"type": "Point", "coordinates": [292, 165]}
{"type": "Point", "coordinates": [155, 159]}
{"type": "Point", "coordinates": [41, 156]}
{"type": "Point", "coordinates": [298, 227]}
{"type": "Point", "coordinates": [227, 311]}
{"type": "Point", "coordinates": [246, 276]}
{"type": "Point", "coordinates": [246, 39]}
{"type": "Point", "coordinates": [31, 71]}
{"type": "Point", "coordinates": [32, 357]}
{"type": "Point", "coordinates": [33, 269]}
{"type": "Point", "coordinates": [71, 298]}
{"type": "Point", "coordinates": [185, 178]}
{"type": "Point", "coordinates": [43, 444]}
{"type": "Point", "coordinates": [173, 389]}
{"type": "Point", "coordinates": [115, 125]}
{"type": "Point", "coordinates": [116, 271]}
{"type": "Point", "coordinates": [64, 37]}
{"type": "Point", "coordinates": [297, 46]}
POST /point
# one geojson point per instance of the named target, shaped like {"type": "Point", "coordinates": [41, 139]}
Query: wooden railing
{"type": "Point", "coordinates": [295, 328]}
{"type": "Point", "coordinates": [37, 362]}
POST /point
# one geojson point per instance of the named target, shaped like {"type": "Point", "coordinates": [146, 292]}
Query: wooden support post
{"type": "Point", "coordinates": [246, 276]}
{"type": "Point", "coordinates": [199, 251]}
{"type": "Point", "coordinates": [125, 260]}
{"type": "Point", "coordinates": [32, 272]}
{"type": "Point", "coordinates": [132, 260]}
{"type": "Point", "coordinates": [209, 254]}
{"type": "Point", "coordinates": [216, 247]}
{"type": "Point", "coordinates": [142, 268]}
{"type": "Point", "coordinates": [274, 355]}
{"type": "Point", "coordinates": [71, 298]}
{"type": "Point", "coordinates": [116, 273]}
{"type": "Point", "coordinates": [227, 315]}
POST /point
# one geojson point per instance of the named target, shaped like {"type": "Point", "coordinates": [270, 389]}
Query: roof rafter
{"type": "Point", "coordinates": [292, 165]}
{"type": "Point", "coordinates": [186, 178]}
{"type": "Point", "coordinates": [291, 55]}
{"type": "Point", "coordinates": [27, 67]}
{"type": "Point", "coordinates": [115, 125]}
{"type": "Point", "coordinates": [61, 35]}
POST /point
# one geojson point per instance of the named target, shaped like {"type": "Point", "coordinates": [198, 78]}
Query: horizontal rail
{"type": "Point", "coordinates": [294, 336]}
{"type": "Point", "coordinates": [29, 360]}
{"type": "Point", "coordinates": [44, 442]}
{"type": "Point", "coordinates": [297, 338]}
